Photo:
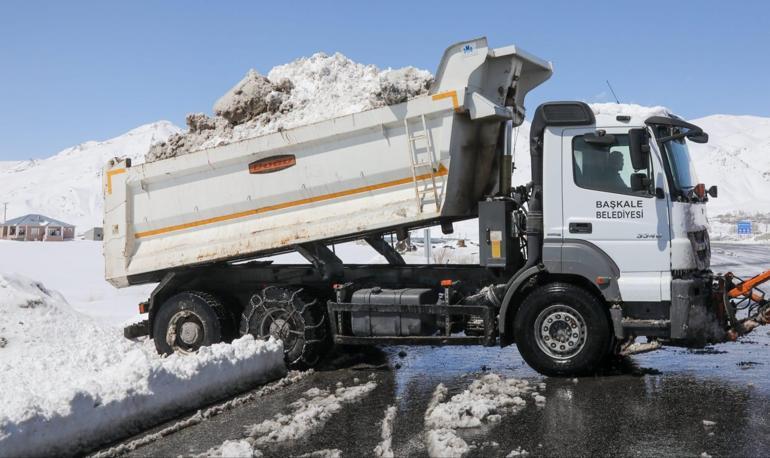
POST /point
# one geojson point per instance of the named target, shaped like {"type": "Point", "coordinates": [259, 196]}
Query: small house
{"type": "Point", "coordinates": [36, 228]}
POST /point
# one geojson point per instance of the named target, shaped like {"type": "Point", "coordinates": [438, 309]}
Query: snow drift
{"type": "Point", "coordinates": [302, 92]}
{"type": "Point", "coordinates": [70, 384]}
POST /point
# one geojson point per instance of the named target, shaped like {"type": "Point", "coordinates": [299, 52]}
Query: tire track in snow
{"type": "Point", "coordinates": [385, 448]}
{"type": "Point", "coordinates": [307, 415]}
{"type": "Point", "coordinates": [202, 415]}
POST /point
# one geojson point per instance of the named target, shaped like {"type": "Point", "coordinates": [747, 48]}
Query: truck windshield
{"type": "Point", "coordinates": [682, 170]}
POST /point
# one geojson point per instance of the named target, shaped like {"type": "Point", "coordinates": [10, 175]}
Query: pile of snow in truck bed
{"type": "Point", "coordinates": [302, 92]}
{"type": "Point", "coordinates": [69, 383]}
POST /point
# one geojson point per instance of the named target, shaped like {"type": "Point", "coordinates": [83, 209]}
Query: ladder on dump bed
{"type": "Point", "coordinates": [422, 169]}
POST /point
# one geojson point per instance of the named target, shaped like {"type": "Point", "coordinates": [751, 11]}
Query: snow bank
{"type": "Point", "coordinates": [302, 92]}
{"type": "Point", "coordinates": [483, 403]}
{"type": "Point", "coordinates": [70, 384]}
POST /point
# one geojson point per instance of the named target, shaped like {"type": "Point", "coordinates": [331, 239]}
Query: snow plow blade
{"type": "Point", "coordinates": [742, 294]}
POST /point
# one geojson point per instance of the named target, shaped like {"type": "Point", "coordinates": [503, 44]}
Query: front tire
{"type": "Point", "coordinates": [562, 330]}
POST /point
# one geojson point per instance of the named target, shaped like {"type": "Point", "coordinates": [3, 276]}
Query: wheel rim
{"type": "Point", "coordinates": [185, 332]}
{"type": "Point", "coordinates": [560, 331]}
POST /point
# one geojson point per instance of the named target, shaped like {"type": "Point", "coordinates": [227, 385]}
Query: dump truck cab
{"type": "Point", "coordinates": [624, 215]}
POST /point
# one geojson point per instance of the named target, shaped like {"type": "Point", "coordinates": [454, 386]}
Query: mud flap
{"type": "Point", "coordinates": [140, 329]}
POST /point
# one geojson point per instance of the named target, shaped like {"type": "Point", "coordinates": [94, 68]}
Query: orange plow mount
{"type": "Point", "coordinates": [740, 294]}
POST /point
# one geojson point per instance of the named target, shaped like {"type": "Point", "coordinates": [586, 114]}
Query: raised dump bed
{"type": "Point", "coordinates": [408, 165]}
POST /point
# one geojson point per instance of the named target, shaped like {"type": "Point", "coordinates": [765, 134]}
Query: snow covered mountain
{"type": "Point", "coordinates": [68, 185]}
{"type": "Point", "coordinates": [737, 160]}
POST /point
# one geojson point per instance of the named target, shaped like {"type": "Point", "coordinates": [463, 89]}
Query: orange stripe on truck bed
{"type": "Point", "coordinates": [448, 94]}
{"type": "Point", "coordinates": [309, 200]}
{"type": "Point", "coordinates": [110, 174]}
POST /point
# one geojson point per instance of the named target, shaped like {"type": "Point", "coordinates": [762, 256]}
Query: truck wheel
{"type": "Point", "coordinates": [190, 320]}
{"type": "Point", "coordinates": [562, 330]}
{"type": "Point", "coordinates": [292, 316]}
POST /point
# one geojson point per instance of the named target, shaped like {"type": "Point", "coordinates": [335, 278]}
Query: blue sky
{"type": "Point", "coordinates": [76, 71]}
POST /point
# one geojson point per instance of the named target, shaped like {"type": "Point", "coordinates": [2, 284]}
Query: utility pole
{"type": "Point", "coordinates": [428, 246]}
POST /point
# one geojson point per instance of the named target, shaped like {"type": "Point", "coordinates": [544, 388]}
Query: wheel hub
{"type": "Point", "coordinates": [191, 331]}
{"type": "Point", "coordinates": [185, 332]}
{"type": "Point", "coordinates": [560, 331]}
{"type": "Point", "coordinates": [279, 329]}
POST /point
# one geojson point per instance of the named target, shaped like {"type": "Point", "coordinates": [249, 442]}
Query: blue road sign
{"type": "Point", "coordinates": [744, 227]}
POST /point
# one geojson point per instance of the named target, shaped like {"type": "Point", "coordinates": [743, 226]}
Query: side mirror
{"type": "Point", "coordinates": [639, 146]}
{"type": "Point", "coordinates": [698, 137]}
{"type": "Point", "coordinates": [640, 182]}
{"type": "Point", "coordinates": [713, 191]}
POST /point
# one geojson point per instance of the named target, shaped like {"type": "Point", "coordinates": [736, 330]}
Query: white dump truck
{"type": "Point", "coordinates": [608, 242]}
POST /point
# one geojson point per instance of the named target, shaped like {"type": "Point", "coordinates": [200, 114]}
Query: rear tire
{"type": "Point", "coordinates": [292, 316]}
{"type": "Point", "coordinates": [190, 320]}
{"type": "Point", "coordinates": [563, 330]}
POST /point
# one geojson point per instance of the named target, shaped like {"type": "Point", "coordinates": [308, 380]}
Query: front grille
{"type": "Point", "coordinates": [701, 246]}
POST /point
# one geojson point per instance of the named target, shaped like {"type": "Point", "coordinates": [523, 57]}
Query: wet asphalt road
{"type": "Point", "coordinates": [652, 405]}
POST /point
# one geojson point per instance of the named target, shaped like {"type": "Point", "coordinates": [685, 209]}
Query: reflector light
{"type": "Point", "coordinates": [272, 164]}
{"type": "Point", "coordinates": [446, 283]}
{"type": "Point", "coordinates": [700, 190]}
{"type": "Point", "coordinates": [144, 307]}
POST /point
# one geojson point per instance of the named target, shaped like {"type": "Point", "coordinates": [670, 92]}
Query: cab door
{"type": "Point", "coordinates": [600, 209]}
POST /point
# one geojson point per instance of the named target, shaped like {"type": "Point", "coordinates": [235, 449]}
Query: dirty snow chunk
{"type": "Point", "coordinates": [326, 453]}
{"type": "Point", "coordinates": [234, 449]}
{"type": "Point", "coordinates": [484, 397]}
{"type": "Point", "coordinates": [252, 96]}
{"type": "Point", "coordinates": [709, 423]}
{"type": "Point", "coordinates": [398, 86]}
{"type": "Point", "coordinates": [518, 451]}
{"type": "Point", "coordinates": [446, 443]}
{"type": "Point", "coordinates": [70, 384]}
{"type": "Point", "coordinates": [384, 449]}
{"type": "Point", "coordinates": [439, 395]}
{"type": "Point", "coordinates": [539, 399]}
{"type": "Point", "coordinates": [484, 402]}
{"type": "Point", "coordinates": [637, 348]}
{"type": "Point", "coordinates": [309, 413]}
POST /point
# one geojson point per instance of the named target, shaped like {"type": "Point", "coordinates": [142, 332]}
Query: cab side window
{"type": "Point", "coordinates": [604, 167]}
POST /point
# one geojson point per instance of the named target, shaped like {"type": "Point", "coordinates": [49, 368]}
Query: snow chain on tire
{"type": "Point", "coordinates": [289, 315]}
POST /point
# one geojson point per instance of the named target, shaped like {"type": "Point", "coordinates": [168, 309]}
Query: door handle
{"type": "Point", "coordinates": [580, 228]}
